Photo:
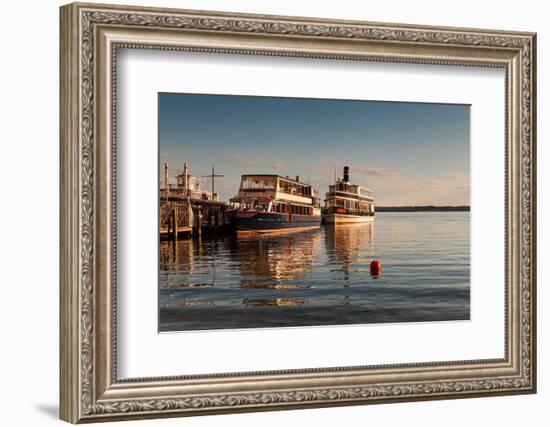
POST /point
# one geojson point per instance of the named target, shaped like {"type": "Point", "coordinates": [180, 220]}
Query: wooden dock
{"type": "Point", "coordinates": [183, 217]}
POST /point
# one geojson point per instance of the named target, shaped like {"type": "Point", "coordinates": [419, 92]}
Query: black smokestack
{"type": "Point", "coordinates": [346, 173]}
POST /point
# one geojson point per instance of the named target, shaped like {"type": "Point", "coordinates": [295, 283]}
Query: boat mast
{"type": "Point", "coordinates": [212, 176]}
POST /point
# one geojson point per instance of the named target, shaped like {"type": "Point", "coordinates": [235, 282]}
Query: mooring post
{"type": "Point", "coordinates": [190, 217]}
{"type": "Point", "coordinates": [175, 222]}
{"type": "Point", "coordinates": [175, 251]}
{"type": "Point", "coordinates": [197, 218]}
{"type": "Point", "coordinates": [170, 224]}
{"type": "Point", "coordinates": [166, 182]}
{"type": "Point", "coordinates": [199, 221]}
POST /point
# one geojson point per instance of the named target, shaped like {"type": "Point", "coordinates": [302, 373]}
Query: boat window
{"type": "Point", "coordinates": [341, 186]}
{"type": "Point", "coordinates": [367, 193]}
{"type": "Point", "coordinates": [257, 183]}
{"type": "Point", "coordinates": [280, 208]}
{"type": "Point", "coordinates": [285, 187]}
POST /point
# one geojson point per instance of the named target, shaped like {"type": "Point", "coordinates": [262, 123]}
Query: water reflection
{"type": "Point", "coordinates": [267, 262]}
{"type": "Point", "coordinates": [284, 302]}
{"type": "Point", "coordinates": [179, 253]}
{"type": "Point", "coordinates": [348, 247]}
{"type": "Point", "coordinates": [270, 262]}
{"type": "Point", "coordinates": [319, 277]}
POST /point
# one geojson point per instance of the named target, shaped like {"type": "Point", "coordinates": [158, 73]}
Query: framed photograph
{"type": "Point", "coordinates": [280, 250]}
{"type": "Point", "coordinates": [266, 212]}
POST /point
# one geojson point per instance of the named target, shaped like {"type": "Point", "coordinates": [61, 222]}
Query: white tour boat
{"type": "Point", "coordinates": [347, 203]}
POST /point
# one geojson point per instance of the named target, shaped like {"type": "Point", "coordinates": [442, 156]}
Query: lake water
{"type": "Point", "coordinates": [321, 277]}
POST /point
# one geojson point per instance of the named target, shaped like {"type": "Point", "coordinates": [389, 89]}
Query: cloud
{"type": "Point", "coordinates": [403, 189]}
{"type": "Point", "coordinates": [245, 159]}
{"type": "Point", "coordinates": [391, 186]}
{"type": "Point", "coordinates": [385, 172]}
{"type": "Point", "coordinates": [464, 187]}
{"type": "Point", "coordinates": [433, 183]}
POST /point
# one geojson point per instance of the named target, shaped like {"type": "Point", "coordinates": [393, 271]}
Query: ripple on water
{"type": "Point", "coordinates": [321, 277]}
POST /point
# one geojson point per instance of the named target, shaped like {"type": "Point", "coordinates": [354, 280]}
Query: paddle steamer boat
{"type": "Point", "coordinates": [268, 204]}
{"type": "Point", "coordinates": [347, 203]}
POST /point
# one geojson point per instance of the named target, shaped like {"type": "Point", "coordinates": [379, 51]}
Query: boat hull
{"type": "Point", "coordinates": [250, 223]}
{"type": "Point", "coordinates": [347, 219]}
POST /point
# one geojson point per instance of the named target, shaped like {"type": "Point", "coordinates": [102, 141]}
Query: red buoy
{"type": "Point", "coordinates": [375, 268]}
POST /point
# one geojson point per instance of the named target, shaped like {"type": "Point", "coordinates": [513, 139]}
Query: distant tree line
{"type": "Point", "coordinates": [423, 208]}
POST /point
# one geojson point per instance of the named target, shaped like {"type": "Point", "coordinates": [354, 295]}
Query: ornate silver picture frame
{"type": "Point", "coordinates": [91, 390]}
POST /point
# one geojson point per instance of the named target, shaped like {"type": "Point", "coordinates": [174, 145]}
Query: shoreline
{"type": "Point", "coordinates": [423, 209]}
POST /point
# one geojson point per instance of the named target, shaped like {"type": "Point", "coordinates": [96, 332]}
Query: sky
{"type": "Point", "coordinates": [407, 153]}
